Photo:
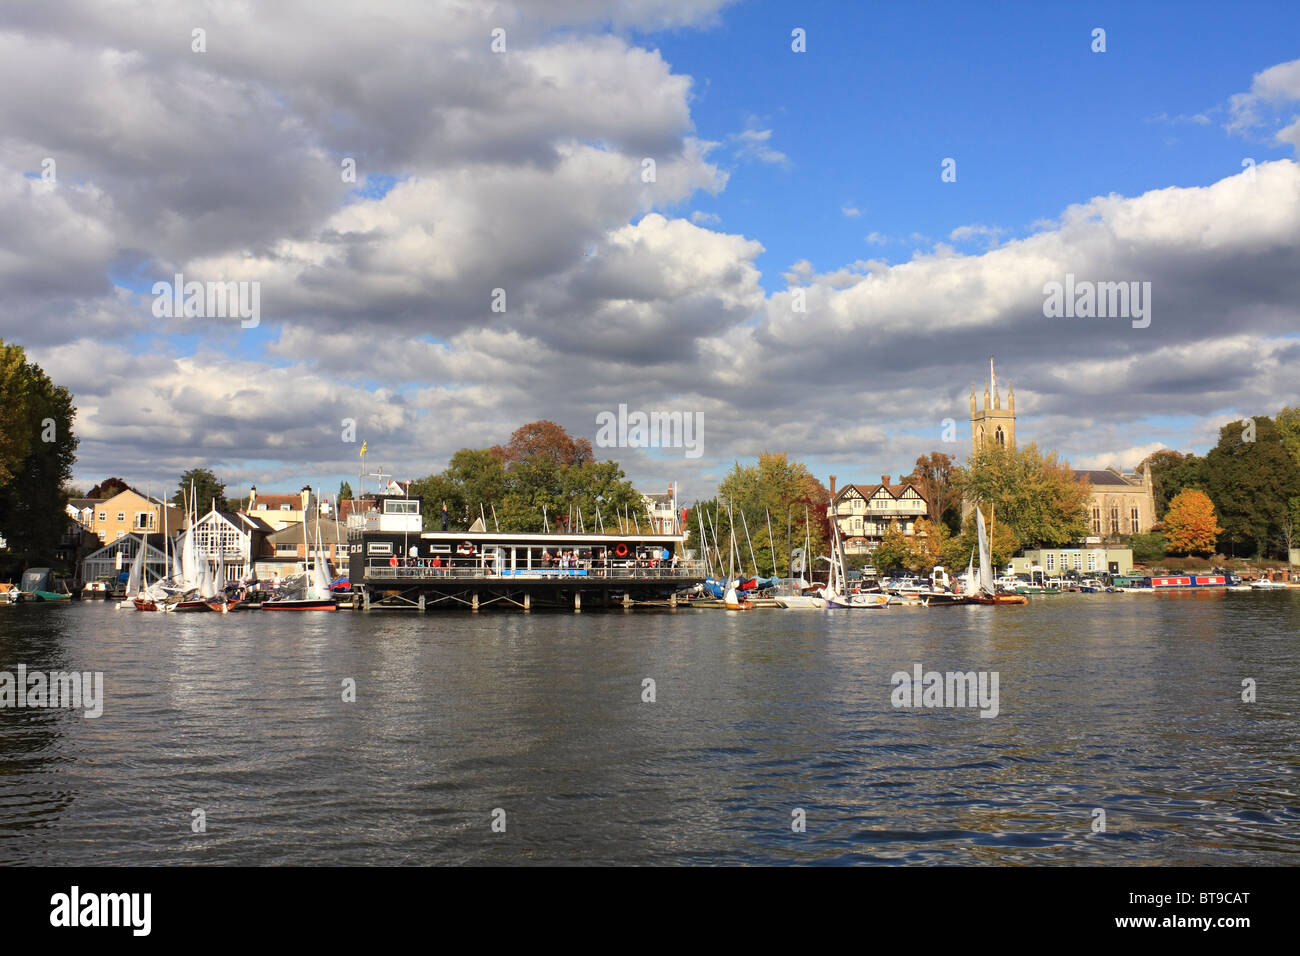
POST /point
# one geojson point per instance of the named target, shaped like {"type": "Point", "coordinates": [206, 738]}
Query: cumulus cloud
{"type": "Point", "coordinates": [1270, 90]}
{"type": "Point", "coordinates": [526, 172]}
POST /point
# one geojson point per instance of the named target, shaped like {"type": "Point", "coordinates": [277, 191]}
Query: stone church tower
{"type": "Point", "coordinates": [993, 423]}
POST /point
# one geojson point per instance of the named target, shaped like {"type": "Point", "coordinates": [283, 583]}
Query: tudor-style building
{"type": "Point", "coordinates": [865, 512]}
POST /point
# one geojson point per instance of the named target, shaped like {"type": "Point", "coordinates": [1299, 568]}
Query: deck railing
{"type": "Point", "coordinates": [586, 570]}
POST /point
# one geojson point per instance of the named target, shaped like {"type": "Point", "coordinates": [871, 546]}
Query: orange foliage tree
{"type": "Point", "coordinates": [1190, 524]}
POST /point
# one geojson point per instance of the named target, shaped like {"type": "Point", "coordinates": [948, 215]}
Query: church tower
{"type": "Point", "coordinates": [994, 423]}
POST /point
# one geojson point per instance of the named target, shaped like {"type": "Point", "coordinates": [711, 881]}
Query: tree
{"type": "Point", "coordinates": [1190, 525]}
{"type": "Point", "coordinates": [1171, 472]}
{"type": "Point", "coordinates": [1288, 529]}
{"type": "Point", "coordinates": [933, 475]}
{"type": "Point", "coordinates": [1034, 496]}
{"type": "Point", "coordinates": [777, 487]}
{"type": "Point", "coordinates": [893, 552]}
{"type": "Point", "coordinates": [207, 489]}
{"type": "Point", "coordinates": [1251, 478]}
{"type": "Point", "coordinates": [543, 440]}
{"type": "Point", "coordinates": [345, 492]}
{"type": "Point", "coordinates": [36, 456]}
{"type": "Point", "coordinates": [108, 488]}
{"type": "Point", "coordinates": [542, 474]}
{"type": "Point", "coordinates": [1148, 547]}
{"type": "Point", "coordinates": [1288, 424]}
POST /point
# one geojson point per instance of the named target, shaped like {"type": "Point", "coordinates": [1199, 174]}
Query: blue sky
{"type": "Point", "coordinates": [1012, 91]}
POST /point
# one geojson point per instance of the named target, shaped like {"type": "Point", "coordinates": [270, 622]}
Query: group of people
{"type": "Point", "coordinates": [560, 559]}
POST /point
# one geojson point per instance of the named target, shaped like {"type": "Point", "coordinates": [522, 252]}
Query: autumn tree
{"type": "Point", "coordinates": [543, 442]}
{"type": "Point", "coordinates": [1034, 496]}
{"type": "Point", "coordinates": [1190, 524]}
{"type": "Point", "coordinates": [934, 477]}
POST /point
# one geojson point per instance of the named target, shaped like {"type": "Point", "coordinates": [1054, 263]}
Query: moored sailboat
{"type": "Point", "coordinates": [986, 591]}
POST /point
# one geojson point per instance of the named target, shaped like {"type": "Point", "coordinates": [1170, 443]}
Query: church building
{"type": "Point", "coordinates": [1123, 503]}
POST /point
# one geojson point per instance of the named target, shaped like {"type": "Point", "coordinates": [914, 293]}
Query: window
{"type": "Point", "coordinates": [103, 516]}
{"type": "Point", "coordinates": [1114, 520]}
{"type": "Point", "coordinates": [392, 507]}
{"type": "Point", "coordinates": [1078, 561]}
{"type": "Point", "coordinates": [143, 520]}
{"type": "Point", "coordinates": [380, 547]}
{"type": "Point", "coordinates": [1092, 560]}
{"type": "Point", "coordinates": [1051, 561]}
{"type": "Point", "coordinates": [121, 516]}
{"type": "Point", "coordinates": [1133, 520]}
{"type": "Point", "coordinates": [285, 508]}
{"type": "Point", "coordinates": [1096, 521]}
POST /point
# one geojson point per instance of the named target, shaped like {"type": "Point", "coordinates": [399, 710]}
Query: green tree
{"type": "Point", "coordinates": [1148, 547]}
{"type": "Point", "coordinates": [345, 492]}
{"type": "Point", "coordinates": [207, 489]}
{"type": "Point", "coordinates": [1288, 424]}
{"type": "Point", "coordinates": [773, 486]}
{"type": "Point", "coordinates": [1171, 472]}
{"type": "Point", "coordinates": [1032, 495]}
{"type": "Point", "coordinates": [1251, 479]}
{"type": "Point", "coordinates": [542, 473]}
{"type": "Point", "coordinates": [36, 456]}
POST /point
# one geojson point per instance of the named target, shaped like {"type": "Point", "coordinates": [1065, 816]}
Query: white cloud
{"type": "Point", "coordinates": [753, 144]}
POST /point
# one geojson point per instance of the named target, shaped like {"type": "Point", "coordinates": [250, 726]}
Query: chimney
{"type": "Point", "coordinates": [832, 486]}
{"type": "Point", "coordinates": [305, 495]}
{"type": "Point", "coordinates": [884, 480]}
{"type": "Point", "coordinates": [252, 497]}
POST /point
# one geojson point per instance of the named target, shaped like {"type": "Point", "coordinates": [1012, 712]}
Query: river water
{"type": "Point", "coordinates": [1127, 704]}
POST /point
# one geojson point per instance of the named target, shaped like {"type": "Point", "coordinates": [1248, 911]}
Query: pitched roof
{"type": "Point", "coordinates": [81, 504]}
{"type": "Point", "coordinates": [866, 491]}
{"type": "Point", "coordinates": [1103, 477]}
{"type": "Point", "coordinates": [330, 532]}
{"type": "Point", "coordinates": [275, 502]}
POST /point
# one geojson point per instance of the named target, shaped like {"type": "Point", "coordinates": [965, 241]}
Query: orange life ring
{"type": "Point", "coordinates": [621, 550]}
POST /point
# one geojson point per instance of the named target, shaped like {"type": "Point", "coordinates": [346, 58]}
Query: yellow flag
{"type": "Point", "coordinates": [363, 449]}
